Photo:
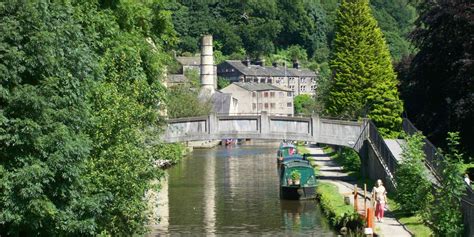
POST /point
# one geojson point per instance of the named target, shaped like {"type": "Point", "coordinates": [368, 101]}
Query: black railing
{"type": "Point", "coordinates": [385, 153]}
{"type": "Point", "coordinates": [433, 158]}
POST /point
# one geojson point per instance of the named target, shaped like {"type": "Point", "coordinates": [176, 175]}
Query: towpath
{"type": "Point", "coordinates": [333, 173]}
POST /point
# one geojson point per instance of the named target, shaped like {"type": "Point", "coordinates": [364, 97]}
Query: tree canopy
{"type": "Point", "coordinates": [364, 82]}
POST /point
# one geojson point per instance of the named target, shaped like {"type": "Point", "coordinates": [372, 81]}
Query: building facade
{"type": "Point", "coordinates": [255, 98]}
{"type": "Point", "coordinates": [296, 79]}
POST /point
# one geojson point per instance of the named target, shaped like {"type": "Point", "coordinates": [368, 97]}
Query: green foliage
{"type": "Point", "coordinates": [295, 175]}
{"type": "Point", "coordinates": [413, 187]}
{"type": "Point", "coordinates": [336, 210]}
{"type": "Point", "coordinates": [447, 221]}
{"type": "Point", "coordinates": [304, 104]}
{"type": "Point", "coordinates": [80, 95]}
{"type": "Point", "coordinates": [183, 101]}
{"type": "Point", "coordinates": [364, 79]}
{"type": "Point", "coordinates": [222, 83]}
{"type": "Point", "coordinates": [46, 68]}
{"type": "Point", "coordinates": [437, 84]}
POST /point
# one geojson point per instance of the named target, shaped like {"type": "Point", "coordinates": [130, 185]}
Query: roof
{"type": "Point", "coordinates": [257, 70]}
{"type": "Point", "coordinates": [177, 78]}
{"type": "Point", "coordinates": [296, 163]}
{"type": "Point", "coordinates": [189, 61]}
{"type": "Point", "coordinates": [250, 86]}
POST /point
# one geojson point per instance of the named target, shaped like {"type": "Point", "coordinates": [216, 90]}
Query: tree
{"type": "Point", "coordinates": [364, 80]}
{"type": "Point", "coordinates": [413, 187]}
{"type": "Point", "coordinates": [46, 69]}
{"type": "Point", "coordinates": [438, 88]}
{"type": "Point", "coordinates": [304, 104]}
{"type": "Point", "coordinates": [447, 221]}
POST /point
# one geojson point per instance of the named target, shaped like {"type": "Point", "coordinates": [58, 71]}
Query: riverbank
{"type": "Point", "coordinates": [332, 173]}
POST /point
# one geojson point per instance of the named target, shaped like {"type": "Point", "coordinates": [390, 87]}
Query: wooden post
{"type": "Point", "coordinates": [356, 203]}
{"type": "Point", "coordinates": [370, 217]}
{"type": "Point", "coordinates": [365, 199]}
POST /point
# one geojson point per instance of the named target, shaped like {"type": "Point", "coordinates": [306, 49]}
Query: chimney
{"type": "Point", "coordinates": [296, 64]}
{"type": "Point", "coordinates": [261, 62]}
{"type": "Point", "coordinates": [246, 62]}
{"type": "Point", "coordinates": [207, 66]}
{"type": "Point", "coordinates": [275, 64]}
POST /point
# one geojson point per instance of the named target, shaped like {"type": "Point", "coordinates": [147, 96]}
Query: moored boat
{"type": "Point", "coordinates": [297, 180]}
{"type": "Point", "coordinates": [286, 150]}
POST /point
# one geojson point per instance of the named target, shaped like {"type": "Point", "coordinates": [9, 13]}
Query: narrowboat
{"type": "Point", "coordinates": [297, 180]}
{"type": "Point", "coordinates": [286, 150]}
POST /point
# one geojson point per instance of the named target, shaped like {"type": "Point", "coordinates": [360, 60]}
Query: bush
{"type": "Point", "coordinates": [413, 187]}
{"type": "Point", "coordinates": [447, 221]}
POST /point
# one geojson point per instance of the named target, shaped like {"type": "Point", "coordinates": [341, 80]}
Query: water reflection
{"type": "Point", "coordinates": [234, 191]}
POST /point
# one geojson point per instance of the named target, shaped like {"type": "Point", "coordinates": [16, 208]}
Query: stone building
{"type": "Point", "coordinates": [259, 97]}
{"type": "Point", "coordinates": [297, 79]}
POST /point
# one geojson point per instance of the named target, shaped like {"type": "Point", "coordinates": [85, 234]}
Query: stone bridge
{"type": "Point", "coordinates": [265, 127]}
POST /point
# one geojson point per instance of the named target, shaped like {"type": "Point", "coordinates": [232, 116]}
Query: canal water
{"type": "Point", "coordinates": [233, 191]}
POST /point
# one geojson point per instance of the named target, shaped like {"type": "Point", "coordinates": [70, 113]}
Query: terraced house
{"type": "Point", "coordinates": [299, 80]}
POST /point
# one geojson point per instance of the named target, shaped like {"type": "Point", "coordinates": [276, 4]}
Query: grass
{"type": "Point", "coordinates": [413, 223]}
{"type": "Point", "coordinates": [336, 210]}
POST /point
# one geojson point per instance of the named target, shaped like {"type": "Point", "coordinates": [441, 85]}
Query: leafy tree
{"type": "Point", "coordinates": [364, 79]}
{"type": "Point", "coordinates": [46, 69]}
{"type": "Point", "coordinates": [438, 87]}
{"type": "Point", "coordinates": [304, 104]}
{"type": "Point", "coordinates": [184, 101]}
{"type": "Point", "coordinates": [413, 187]}
{"type": "Point", "coordinates": [222, 83]}
{"type": "Point", "coordinates": [447, 221]}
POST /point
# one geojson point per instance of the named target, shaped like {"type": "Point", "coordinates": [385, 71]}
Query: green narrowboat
{"type": "Point", "coordinates": [297, 180]}
{"type": "Point", "coordinates": [286, 150]}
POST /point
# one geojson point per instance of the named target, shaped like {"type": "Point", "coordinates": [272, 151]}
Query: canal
{"type": "Point", "coordinates": [233, 191]}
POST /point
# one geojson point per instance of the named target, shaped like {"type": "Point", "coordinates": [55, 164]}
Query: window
{"type": "Point", "coordinates": [232, 70]}
{"type": "Point", "coordinates": [265, 94]}
{"type": "Point", "coordinates": [303, 80]}
{"type": "Point", "coordinates": [254, 94]}
{"type": "Point", "coordinates": [272, 94]}
{"type": "Point", "coordinates": [302, 88]}
{"type": "Point", "coordinates": [272, 106]}
{"type": "Point", "coordinates": [281, 105]}
{"type": "Point", "coordinates": [313, 80]}
{"type": "Point", "coordinates": [266, 105]}
{"type": "Point", "coordinates": [282, 94]}
{"type": "Point", "coordinates": [247, 79]}
{"type": "Point", "coordinates": [255, 80]}
{"type": "Point", "coordinates": [291, 80]}
{"type": "Point", "coordinates": [260, 106]}
{"type": "Point", "coordinates": [292, 87]}
{"type": "Point", "coordinates": [290, 94]}
{"type": "Point", "coordinates": [269, 80]}
{"type": "Point", "coordinates": [313, 87]}
{"type": "Point", "coordinates": [262, 80]}
{"type": "Point", "coordinates": [254, 106]}
{"type": "Point", "coordinates": [289, 104]}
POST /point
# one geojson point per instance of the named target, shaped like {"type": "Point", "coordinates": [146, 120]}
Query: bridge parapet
{"type": "Point", "coordinates": [263, 126]}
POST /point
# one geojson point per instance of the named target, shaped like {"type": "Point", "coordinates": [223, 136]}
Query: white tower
{"type": "Point", "coordinates": [208, 79]}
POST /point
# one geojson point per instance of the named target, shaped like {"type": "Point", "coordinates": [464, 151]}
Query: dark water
{"type": "Point", "coordinates": [233, 191]}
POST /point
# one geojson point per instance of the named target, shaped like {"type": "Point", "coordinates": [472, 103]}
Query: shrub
{"type": "Point", "coordinates": [413, 187]}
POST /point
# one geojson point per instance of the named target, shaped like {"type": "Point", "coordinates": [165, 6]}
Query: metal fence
{"type": "Point", "coordinates": [382, 148]}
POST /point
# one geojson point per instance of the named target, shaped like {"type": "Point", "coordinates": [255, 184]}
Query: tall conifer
{"type": "Point", "coordinates": [364, 80]}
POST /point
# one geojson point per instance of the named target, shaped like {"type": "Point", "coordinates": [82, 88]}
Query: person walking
{"type": "Point", "coordinates": [467, 180]}
{"type": "Point", "coordinates": [379, 194]}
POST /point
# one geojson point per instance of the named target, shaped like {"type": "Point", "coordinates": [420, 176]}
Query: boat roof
{"type": "Point", "coordinates": [296, 163]}
{"type": "Point", "coordinates": [285, 145]}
